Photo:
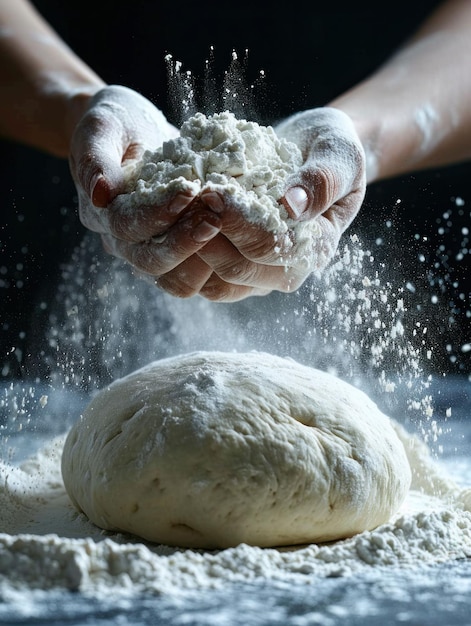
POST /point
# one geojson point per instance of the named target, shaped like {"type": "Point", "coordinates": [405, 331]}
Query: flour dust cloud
{"type": "Point", "coordinates": [189, 94]}
{"type": "Point", "coordinates": [360, 319]}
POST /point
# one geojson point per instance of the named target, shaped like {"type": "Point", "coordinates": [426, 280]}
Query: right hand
{"type": "Point", "coordinates": [117, 127]}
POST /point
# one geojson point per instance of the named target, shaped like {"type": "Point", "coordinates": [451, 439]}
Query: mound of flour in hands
{"type": "Point", "coordinates": [214, 449]}
{"type": "Point", "coordinates": [245, 162]}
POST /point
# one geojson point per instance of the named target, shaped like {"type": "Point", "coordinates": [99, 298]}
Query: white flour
{"type": "Point", "coordinates": [46, 544]}
{"type": "Point", "coordinates": [246, 163]}
{"type": "Point", "coordinates": [241, 159]}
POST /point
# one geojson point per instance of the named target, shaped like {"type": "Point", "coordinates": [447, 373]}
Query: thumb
{"type": "Point", "coordinates": [327, 177]}
{"type": "Point", "coordinates": [295, 201]}
{"type": "Point", "coordinates": [97, 150]}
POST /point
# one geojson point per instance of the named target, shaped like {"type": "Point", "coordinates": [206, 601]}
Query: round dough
{"type": "Point", "coordinates": [213, 449]}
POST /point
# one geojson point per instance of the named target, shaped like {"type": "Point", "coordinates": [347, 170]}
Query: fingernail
{"type": "Point", "coordinates": [99, 191]}
{"type": "Point", "coordinates": [295, 201]}
{"type": "Point", "coordinates": [93, 181]}
{"type": "Point", "coordinates": [204, 231]}
{"type": "Point", "coordinates": [179, 203]}
{"type": "Point", "coordinates": [214, 201]}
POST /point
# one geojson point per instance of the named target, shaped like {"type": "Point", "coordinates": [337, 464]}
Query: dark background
{"type": "Point", "coordinates": [309, 55]}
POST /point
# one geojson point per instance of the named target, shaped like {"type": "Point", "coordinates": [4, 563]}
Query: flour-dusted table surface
{"type": "Point", "coordinates": [431, 594]}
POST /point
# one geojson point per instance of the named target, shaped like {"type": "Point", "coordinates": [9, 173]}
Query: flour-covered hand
{"type": "Point", "coordinates": [239, 259]}
{"type": "Point", "coordinates": [234, 232]}
{"type": "Point", "coordinates": [248, 258]}
{"type": "Point", "coordinates": [170, 259]}
{"type": "Point", "coordinates": [330, 185]}
{"type": "Point", "coordinates": [321, 198]}
{"type": "Point", "coordinates": [118, 126]}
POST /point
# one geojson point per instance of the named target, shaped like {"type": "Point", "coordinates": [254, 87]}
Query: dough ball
{"type": "Point", "coordinates": [213, 449]}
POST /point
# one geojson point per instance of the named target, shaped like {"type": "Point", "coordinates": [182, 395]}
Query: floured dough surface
{"type": "Point", "coordinates": [214, 449]}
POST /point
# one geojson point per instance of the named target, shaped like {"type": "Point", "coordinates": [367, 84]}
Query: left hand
{"type": "Point", "coordinates": [330, 186]}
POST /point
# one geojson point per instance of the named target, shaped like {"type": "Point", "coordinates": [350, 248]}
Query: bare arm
{"type": "Point", "coordinates": [414, 112]}
{"type": "Point", "coordinates": [45, 86]}
{"type": "Point", "coordinates": [52, 100]}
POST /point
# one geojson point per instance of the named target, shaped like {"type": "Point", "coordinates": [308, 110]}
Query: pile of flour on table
{"type": "Point", "coordinates": [244, 161]}
{"type": "Point", "coordinates": [46, 544]}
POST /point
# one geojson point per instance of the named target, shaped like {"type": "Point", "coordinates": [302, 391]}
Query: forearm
{"type": "Point", "coordinates": [414, 112]}
{"type": "Point", "coordinates": [45, 87]}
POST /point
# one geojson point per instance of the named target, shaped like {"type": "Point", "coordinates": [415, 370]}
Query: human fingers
{"type": "Point", "coordinates": [118, 126]}
{"type": "Point", "coordinates": [334, 161]}
{"type": "Point", "coordinates": [254, 240]}
{"type": "Point", "coordinates": [247, 250]}
{"type": "Point", "coordinates": [233, 268]}
{"type": "Point", "coordinates": [97, 151]}
{"type": "Point", "coordinates": [186, 279]}
{"type": "Point", "coordinates": [193, 276]}
{"type": "Point", "coordinates": [133, 222]}
{"type": "Point", "coordinates": [326, 181]}
{"type": "Point", "coordinates": [162, 253]}
{"type": "Point", "coordinates": [218, 290]}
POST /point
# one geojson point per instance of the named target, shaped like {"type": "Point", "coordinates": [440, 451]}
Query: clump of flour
{"type": "Point", "coordinates": [245, 162]}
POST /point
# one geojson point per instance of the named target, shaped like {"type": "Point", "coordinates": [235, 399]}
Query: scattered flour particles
{"type": "Point", "coordinates": [245, 162]}
{"type": "Point", "coordinates": [215, 449]}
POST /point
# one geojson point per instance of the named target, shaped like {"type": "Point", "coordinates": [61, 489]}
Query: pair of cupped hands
{"type": "Point", "coordinates": [203, 244]}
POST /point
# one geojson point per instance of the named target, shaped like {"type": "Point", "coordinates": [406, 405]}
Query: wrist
{"type": "Point", "coordinates": [76, 104]}
{"type": "Point", "coordinates": [45, 115]}
{"type": "Point", "coordinates": [369, 136]}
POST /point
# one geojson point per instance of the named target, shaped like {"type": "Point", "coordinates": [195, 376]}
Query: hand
{"type": "Point", "coordinates": [247, 258]}
{"type": "Point", "coordinates": [116, 129]}
{"type": "Point", "coordinates": [330, 186]}
{"type": "Point", "coordinates": [322, 199]}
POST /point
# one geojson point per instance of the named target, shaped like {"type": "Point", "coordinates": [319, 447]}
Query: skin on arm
{"type": "Point", "coordinates": [414, 113]}
{"type": "Point", "coordinates": [53, 101]}
{"type": "Point", "coordinates": [45, 85]}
